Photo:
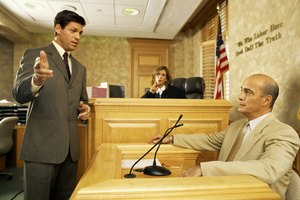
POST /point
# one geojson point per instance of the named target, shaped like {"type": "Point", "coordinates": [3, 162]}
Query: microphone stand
{"type": "Point", "coordinates": [131, 175]}
{"type": "Point", "coordinates": [156, 170]}
{"type": "Point", "coordinates": [167, 132]}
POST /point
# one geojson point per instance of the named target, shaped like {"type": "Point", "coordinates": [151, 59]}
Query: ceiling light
{"type": "Point", "coordinates": [34, 5]}
{"type": "Point", "coordinates": [130, 11]}
{"type": "Point", "coordinates": [68, 7]}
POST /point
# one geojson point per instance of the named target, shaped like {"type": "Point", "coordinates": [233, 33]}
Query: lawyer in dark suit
{"type": "Point", "coordinates": [161, 85]}
{"type": "Point", "coordinates": [268, 149]}
{"type": "Point", "coordinates": [50, 146]}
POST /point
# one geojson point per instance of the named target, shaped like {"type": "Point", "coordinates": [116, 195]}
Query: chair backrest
{"type": "Point", "coordinates": [193, 87]}
{"type": "Point", "coordinates": [7, 125]}
{"type": "Point", "coordinates": [293, 191]}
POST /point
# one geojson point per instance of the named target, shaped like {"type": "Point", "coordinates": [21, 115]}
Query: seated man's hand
{"type": "Point", "coordinates": [192, 172]}
{"type": "Point", "coordinates": [166, 140]}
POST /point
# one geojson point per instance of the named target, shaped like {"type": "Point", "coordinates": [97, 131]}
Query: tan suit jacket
{"type": "Point", "coordinates": [267, 153]}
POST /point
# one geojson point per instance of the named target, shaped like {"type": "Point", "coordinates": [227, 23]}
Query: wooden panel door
{"type": "Point", "coordinates": [146, 55]}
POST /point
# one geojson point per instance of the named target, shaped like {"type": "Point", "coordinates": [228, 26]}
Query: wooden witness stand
{"type": "Point", "coordinates": [104, 178]}
{"type": "Point", "coordinates": [117, 125]}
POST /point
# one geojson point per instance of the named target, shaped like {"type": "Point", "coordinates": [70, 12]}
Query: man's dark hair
{"type": "Point", "coordinates": [66, 16]}
{"type": "Point", "coordinates": [271, 88]}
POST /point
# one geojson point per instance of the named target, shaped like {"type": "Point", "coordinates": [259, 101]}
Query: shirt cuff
{"type": "Point", "coordinates": [35, 89]}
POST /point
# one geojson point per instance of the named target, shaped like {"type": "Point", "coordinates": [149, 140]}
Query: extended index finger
{"type": "Point", "coordinates": [44, 59]}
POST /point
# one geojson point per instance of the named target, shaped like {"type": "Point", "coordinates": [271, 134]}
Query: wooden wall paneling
{"type": "Point", "coordinates": [13, 156]}
{"type": "Point", "coordinates": [129, 130]}
{"type": "Point", "coordinates": [138, 120]}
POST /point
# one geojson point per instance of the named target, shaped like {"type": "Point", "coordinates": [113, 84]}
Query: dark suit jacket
{"type": "Point", "coordinates": [51, 128]}
{"type": "Point", "coordinates": [267, 153]}
{"type": "Point", "coordinates": [170, 92]}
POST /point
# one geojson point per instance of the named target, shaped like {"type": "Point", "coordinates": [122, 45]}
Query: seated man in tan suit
{"type": "Point", "coordinates": [265, 149]}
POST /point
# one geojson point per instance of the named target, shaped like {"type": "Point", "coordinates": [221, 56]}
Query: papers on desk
{"type": "Point", "coordinates": [4, 101]}
{"type": "Point", "coordinates": [127, 163]}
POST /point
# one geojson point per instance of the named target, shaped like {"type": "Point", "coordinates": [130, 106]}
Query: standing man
{"type": "Point", "coordinates": [57, 96]}
{"type": "Point", "coordinates": [265, 148]}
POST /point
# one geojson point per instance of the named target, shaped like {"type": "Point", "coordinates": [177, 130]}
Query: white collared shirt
{"type": "Point", "coordinates": [253, 123]}
{"type": "Point", "coordinates": [160, 90]}
{"type": "Point", "coordinates": [61, 52]}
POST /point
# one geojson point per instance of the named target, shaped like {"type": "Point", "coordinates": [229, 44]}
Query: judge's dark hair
{"type": "Point", "coordinates": [159, 68]}
{"type": "Point", "coordinates": [66, 16]}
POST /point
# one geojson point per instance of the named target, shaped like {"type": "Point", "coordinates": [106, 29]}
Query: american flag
{"type": "Point", "coordinates": [222, 64]}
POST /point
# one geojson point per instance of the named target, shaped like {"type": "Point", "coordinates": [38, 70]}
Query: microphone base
{"type": "Point", "coordinates": [155, 170]}
{"type": "Point", "coordinates": [129, 175]}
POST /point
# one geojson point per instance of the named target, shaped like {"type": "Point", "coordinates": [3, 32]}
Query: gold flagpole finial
{"type": "Point", "coordinates": [218, 9]}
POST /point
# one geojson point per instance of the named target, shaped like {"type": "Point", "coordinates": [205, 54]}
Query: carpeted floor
{"type": "Point", "coordinates": [9, 189]}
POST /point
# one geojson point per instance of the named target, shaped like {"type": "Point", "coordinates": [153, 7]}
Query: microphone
{"type": "Point", "coordinates": [167, 132]}
{"type": "Point", "coordinates": [154, 169]}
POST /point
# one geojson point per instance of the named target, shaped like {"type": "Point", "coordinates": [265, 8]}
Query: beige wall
{"type": "Point", "coordinates": [279, 58]}
{"type": "Point", "coordinates": [6, 61]}
{"type": "Point", "coordinates": [185, 54]}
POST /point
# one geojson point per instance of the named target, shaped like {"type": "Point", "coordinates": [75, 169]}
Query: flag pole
{"type": "Point", "coordinates": [219, 24]}
{"type": "Point", "coordinates": [218, 11]}
{"type": "Point", "coordinates": [222, 64]}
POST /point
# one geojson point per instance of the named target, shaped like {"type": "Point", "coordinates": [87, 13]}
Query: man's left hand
{"type": "Point", "coordinates": [84, 111]}
{"type": "Point", "coordinates": [192, 172]}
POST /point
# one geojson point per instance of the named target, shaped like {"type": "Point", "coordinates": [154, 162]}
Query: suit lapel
{"type": "Point", "coordinates": [254, 136]}
{"type": "Point", "coordinates": [57, 60]}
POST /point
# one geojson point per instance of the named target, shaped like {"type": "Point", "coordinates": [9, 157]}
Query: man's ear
{"type": "Point", "coordinates": [267, 100]}
{"type": "Point", "coordinates": [57, 29]}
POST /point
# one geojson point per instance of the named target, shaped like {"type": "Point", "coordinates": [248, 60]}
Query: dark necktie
{"type": "Point", "coordinates": [238, 142]}
{"type": "Point", "coordinates": [67, 64]}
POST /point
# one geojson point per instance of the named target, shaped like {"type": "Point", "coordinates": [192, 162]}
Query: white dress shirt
{"type": "Point", "coordinates": [160, 90]}
{"type": "Point", "coordinates": [253, 123]}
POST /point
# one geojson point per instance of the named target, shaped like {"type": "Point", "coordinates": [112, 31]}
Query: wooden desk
{"type": "Point", "coordinates": [13, 160]}
{"type": "Point", "coordinates": [104, 178]}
